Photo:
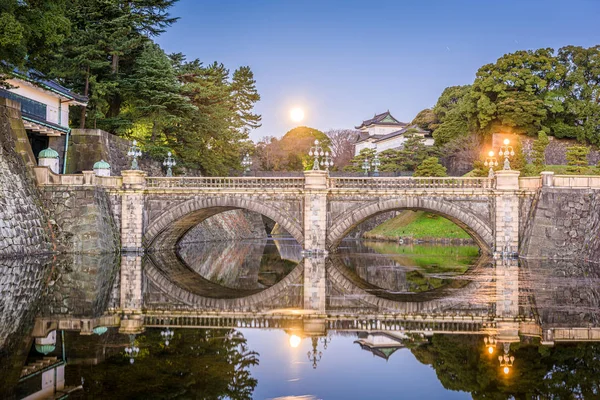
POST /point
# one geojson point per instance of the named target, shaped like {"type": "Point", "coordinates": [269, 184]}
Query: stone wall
{"type": "Point", "coordinates": [564, 224]}
{"type": "Point", "coordinates": [87, 146]}
{"type": "Point", "coordinates": [556, 151]}
{"type": "Point", "coordinates": [23, 224]}
{"type": "Point", "coordinates": [81, 285]}
{"type": "Point", "coordinates": [229, 225]}
{"type": "Point", "coordinates": [83, 219]}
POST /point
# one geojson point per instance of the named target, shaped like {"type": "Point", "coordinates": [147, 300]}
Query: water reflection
{"type": "Point", "coordinates": [243, 322]}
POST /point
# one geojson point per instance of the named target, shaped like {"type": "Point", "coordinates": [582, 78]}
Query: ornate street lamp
{"type": "Point", "coordinates": [506, 150]}
{"type": "Point", "coordinates": [167, 335]}
{"type": "Point", "coordinates": [314, 355]}
{"type": "Point", "coordinates": [327, 161]}
{"type": "Point", "coordinates": [491, 162]}
{"type": "Point", "coordinates": [490, 344]}
{"type": "Point", "coordinates": [169, 163]}
{"type": "Point", "coordinates": [366, 166]}
{"type": "Point", "coordinates": [316, 151]}
{"type": "Point", "coordinates": [247, 163]}
{"type": "Point", "coordinates": [135, 152]}
{"type": "Point", "coordinates": [132, 350]}
{"type": "Point", "coordinates": [506, 362]}
{"type": "Point", "coordinates": [325, 340]}
{"type": "Point", "coordinates": [375, 164]}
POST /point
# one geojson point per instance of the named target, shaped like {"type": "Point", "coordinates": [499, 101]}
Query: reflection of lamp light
{"type": "Point", "coordinates": [295, 341]}
{"type": "Point", "coordinates": [314, 355]}
{"type": "Point", "coordinates": [132, 350]}
{"type": "Point", "coordinates": [490, 343]}
{"type": "Point", "coordinates": [506, 361]}
{"type": "Point", "coordinates": [167, 335]}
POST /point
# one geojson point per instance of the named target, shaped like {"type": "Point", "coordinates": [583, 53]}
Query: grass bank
{"type": "Point", "coordinates": [417, 225]}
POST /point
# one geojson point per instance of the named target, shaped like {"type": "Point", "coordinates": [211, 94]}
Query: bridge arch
{"type": "Point", "coordinates": [166, 230]}
{"type": "Point", "coordinates": [472, 285]}
{"type": "Point", "coordinates": [480, 231]}
{"type": "Point", "coordinates": [192, 290]}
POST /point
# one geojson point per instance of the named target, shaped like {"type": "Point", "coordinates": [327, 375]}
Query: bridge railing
{"type": "Point", "coordinates": [411, 183]}
{"type": "Point", "coordinates": [227, 183]}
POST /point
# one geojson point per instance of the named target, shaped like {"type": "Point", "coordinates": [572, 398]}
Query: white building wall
{"type": "Point", "coordinates": [363, 145]}
{"type": "Point", "coordinates": [392, 143]}
{"type": "Point", "coordinates": [51, 101]}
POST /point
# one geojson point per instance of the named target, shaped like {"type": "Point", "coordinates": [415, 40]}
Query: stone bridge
{"type": "Point", "coordinates": [318, 210]}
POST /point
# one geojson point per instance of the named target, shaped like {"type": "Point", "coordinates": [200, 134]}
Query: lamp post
{"type": "Point", "coordinates": [132, 350]}
{"type": "Point", "coordinates": [327, 161]}
{"type": "Point", "coordinates": [491, 162]}
{"type": "Point", "coordinates": [316, 151]}
{"type": "Point", "coordinates": [314, 355]}
{"type": "Point", "coordinates": [506, 150]}
{"type": "Point", "coordinates": [247, 163]}
{"type": "Point", "coordinates": [366, 166]}
{"type": "Point", "coordinates": [375, 164]}
{"type": "Point", "coordinates": [506, 361]}
{"type": "Point", "coordinates": [167, 335]}
{"type": "Point", "coordinates": [169, 163]}
{"type": "Point", "coordinates": [135, 152]}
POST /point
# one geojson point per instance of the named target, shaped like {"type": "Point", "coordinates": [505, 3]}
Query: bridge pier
{"type": "Point", "coordinates": [315, 211]}
{"type": "Point", "coordinates": [506, 224]}
{"type": "Point", "coordinates": [132, 210]}
{"type": "Point", "coordinates": [131, 284]}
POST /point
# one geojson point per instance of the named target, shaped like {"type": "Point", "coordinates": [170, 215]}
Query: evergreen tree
{"type": "Point", "coordinates": [413, 151]}
{"type": "Point", "coordinates": [577, 159]}
{"type": "Point", "coordinates": [153, 93]}
{"type": "Point", "coordinates": [30, 30]}
{"type": "Point", "coordinates": [539, 150]}
{"type": "Point", "coordinates": [430, 167]}
{"type": "Point", "coordinates": [357, 162]}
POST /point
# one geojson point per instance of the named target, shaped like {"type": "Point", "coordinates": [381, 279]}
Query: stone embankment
{"type": "Point", "coordinates": [563, 224]}
{"type": "Point", "coordinates": [23, 224]}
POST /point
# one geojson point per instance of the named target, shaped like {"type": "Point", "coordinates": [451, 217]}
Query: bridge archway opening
{"type": "Point", "coordinates": [165, 231]}
{"type": "Point", "coordinates": [476, 228]}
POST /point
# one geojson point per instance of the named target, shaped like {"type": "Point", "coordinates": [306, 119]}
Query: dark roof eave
{"type": "Point", "coordinates": [59, 89]}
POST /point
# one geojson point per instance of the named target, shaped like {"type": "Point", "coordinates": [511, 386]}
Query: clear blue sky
{"type": "Point", "coordinates": [343, 61]}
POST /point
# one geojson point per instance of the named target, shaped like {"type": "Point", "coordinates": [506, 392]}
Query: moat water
{"type": "Point", "coordinates": [261, 320]}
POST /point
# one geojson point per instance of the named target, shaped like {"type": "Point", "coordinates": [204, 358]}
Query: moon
{"type": "Point", "coordinates": [297, 114]}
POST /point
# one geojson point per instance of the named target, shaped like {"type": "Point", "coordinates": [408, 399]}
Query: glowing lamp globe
{"type": "Point", "coordinates": [295, 341]}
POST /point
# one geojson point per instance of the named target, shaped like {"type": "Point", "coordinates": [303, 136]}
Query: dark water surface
{"type": "Point", "coordinates": [257, 320]}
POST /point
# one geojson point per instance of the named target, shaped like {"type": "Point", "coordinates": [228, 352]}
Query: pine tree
{"type": "Point", "coordinates": [577, 159]}
{"type": "Point", "coordinates": [357, 162]}
{"type": "Point", "coordinates": [153, 93]}
{"type": "Point", "coordinates": [539, 150]}
{"type": "Point", "coordinates": [430, 167]}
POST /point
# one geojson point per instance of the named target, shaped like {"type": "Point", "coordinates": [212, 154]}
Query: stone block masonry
{"type": "Point", "coordinates": [565, 224]}
{"type": "Point", "coordinates": [82, 218]}
{"type": "Point", "coordinates": [24, 227]}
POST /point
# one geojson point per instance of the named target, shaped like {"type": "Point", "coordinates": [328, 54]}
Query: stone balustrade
{"type": "Point", "coordinates": [402, 183]}
{"type": "Point", "coordinates": [226, 182]}
{"type": "Point", "coordinates": [45, 177]}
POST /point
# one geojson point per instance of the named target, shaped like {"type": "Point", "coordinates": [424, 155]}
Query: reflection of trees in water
{"type": "Point", "coordinates": [198, 363]}
{"type": "Point", "coordinates": [252, 264]}
{"type": "Point", "coordinates": [565, 371]}
{"type": "Point", "coordinates": [415, 268]}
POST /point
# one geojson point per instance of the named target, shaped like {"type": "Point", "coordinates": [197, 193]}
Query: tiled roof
{"type": "Point", "coordinates": [400, 132]}
{"type": "Point", "coordinates": [379, 120]}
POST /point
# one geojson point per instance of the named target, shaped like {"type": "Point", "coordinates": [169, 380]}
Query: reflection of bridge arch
{"type": "Point", "coordinates": [481, 232]}
{"type": "Point", "coordinates": [166, 230]}
{"type": "Point", "coordinates": [471, 284]}
{"type": "Point", "coordinates": [181, 283]}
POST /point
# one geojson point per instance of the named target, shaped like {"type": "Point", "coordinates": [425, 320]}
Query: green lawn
{"type": "Point", "coordinates": [418, 225]}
